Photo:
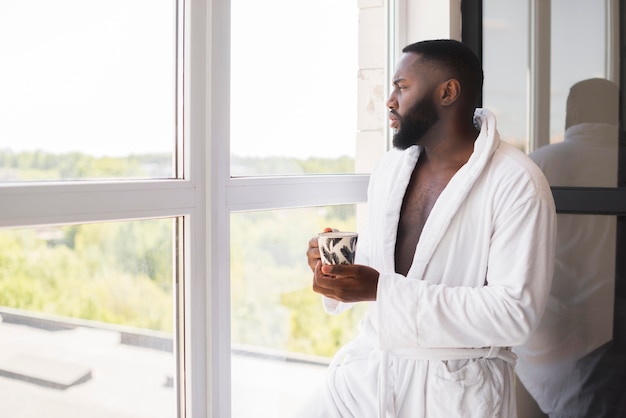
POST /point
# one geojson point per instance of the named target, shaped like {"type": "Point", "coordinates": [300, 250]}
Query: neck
{"type": "Point", "coordinates": [449, 145]}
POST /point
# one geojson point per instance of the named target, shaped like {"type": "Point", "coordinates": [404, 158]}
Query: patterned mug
{"type": "Point", "coordinates": [337, 247]}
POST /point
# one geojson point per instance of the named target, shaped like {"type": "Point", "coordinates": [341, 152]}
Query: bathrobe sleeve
{"type": "Point", "coordinates": [335, 307]}
{"type": "Point", "coordinates": [501, 308]}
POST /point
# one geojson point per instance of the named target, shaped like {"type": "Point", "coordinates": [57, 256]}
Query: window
{"type": "Point", "coordinates": [293, 87]}
{"type": "Point", "coordinates": [87, 319]}
{"type": "Point", "coordinates": [87, 90]}
{"type": "Point", "coordinates": [505, 89]}
{"type": "Point", "coordinates": [306, 113]}
{"type": "Point", "coordinates": [576, 55]}
{"type": "Point", "coordinates": [96, 218]}
{"type": "Point", "coordinates": [282, 339]}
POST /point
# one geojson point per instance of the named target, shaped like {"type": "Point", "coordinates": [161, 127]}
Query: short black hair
{"type": "Point", "coordinates": [458, 59]}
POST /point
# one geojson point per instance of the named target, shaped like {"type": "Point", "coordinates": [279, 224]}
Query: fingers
{"type": "Point", "coordinates": [318, 277]}
{"type": "Point", "coordinates": [346, 282]}
{"type": "Point", "coordinates": [343, 270]}
{"type": "Point", "coordinates": [326, 282]}
{"type": "Point", "coordinates": [321, 280]}
{"type": "Point", "coordinates": [313, 252]}
{"type": "Point", "coordinates": [344, 288]}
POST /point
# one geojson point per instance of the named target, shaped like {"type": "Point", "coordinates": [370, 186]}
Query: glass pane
{"type": "Point", "coordinates": [570, 365]}
{"type": "Point", "coordinates": [586, 153]}
{"type": "Point", "coordinates": [293, 87]}
{"type": "Point", "coordinates": [282, 339]}
{"type": "Point", "coordinates": [87, 321]}
{"type": "Point", "coordinates": [87, 89]}
{"type": "Point", "coordinates": [505, 29]}
{"type": "Point", "coordinates": [584, 105]}
{"type": "Point", "coordinates": [578, 51]}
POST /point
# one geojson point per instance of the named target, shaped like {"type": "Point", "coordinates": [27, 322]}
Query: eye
{"type": "Point", "coordinates": [399, 85]}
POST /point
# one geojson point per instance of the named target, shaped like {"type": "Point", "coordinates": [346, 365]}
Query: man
{"type": "Point", "coordinates": [457, 257]}
{"type": "Point", "coordinates": [558, 362]}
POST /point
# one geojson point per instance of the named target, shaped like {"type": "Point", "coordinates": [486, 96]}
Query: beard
{"type": "Point", "coordinates": [416, 122]}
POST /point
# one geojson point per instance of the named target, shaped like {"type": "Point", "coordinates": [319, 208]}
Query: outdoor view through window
{"type": "Point", "coordinates": [294, 79]}
{"type": "Point", "coordinates": [88, 92]}
{"type": "Point", "coordinates": [293, 87]}
{"type": "Point", "coordinates": [87, 319]}
{"type": "Point", "coordinates": [87, 310]}
{"type": "Point", "coordinates": [87, 89]}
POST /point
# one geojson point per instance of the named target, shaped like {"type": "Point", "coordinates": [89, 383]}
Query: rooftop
{"type": "Point", "coordinates": [86, 371]}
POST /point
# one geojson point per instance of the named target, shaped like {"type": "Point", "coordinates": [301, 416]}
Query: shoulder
{"type": "Point", "coordinates": [516, 164]}
{"type": "Point", "coordinates": [517, 175]}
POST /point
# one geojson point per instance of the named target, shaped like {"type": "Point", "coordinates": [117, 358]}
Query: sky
{"type": "Point", "coordinates": [294, 81]}
{"type": "Point", "coordinates": [98, 76]}
{"type": "Point", "coordinates": [86, 76]}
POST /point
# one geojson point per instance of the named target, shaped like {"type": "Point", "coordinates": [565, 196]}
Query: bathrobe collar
{"type": "Point", "coordinates": [448, 202]}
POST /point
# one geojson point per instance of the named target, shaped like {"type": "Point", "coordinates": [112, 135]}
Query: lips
{"type": "Point", "coordinates": [394, 120]}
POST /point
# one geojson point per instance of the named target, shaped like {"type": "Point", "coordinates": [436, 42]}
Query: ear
{"type": "Point", "coordinates": [450, 91]}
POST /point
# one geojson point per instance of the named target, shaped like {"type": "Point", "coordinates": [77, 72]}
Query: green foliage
{"type": "Point", "coordinates": [39, 165]}
{"type": "Point", "coordinates": [271, 297]}
{"type": "Point", "coordinates": [314, 331]}
{"type": "Point", "coordinates": [114, 272]}
{"type": "Point", "coordinates": [122, 272]}
{"type": "Point", "coordinates": [266, 166]}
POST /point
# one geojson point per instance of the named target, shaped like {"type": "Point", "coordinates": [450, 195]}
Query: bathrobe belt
{"type": "Point", "coordinates": [503, 353]}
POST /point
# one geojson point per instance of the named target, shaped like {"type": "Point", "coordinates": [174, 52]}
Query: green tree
{"type": "Point", "coordinates": [88, 280]}
{"type": "Point", "coordinates": [272, 301]}
{"type": "Point", "coordinates": [121, 272]}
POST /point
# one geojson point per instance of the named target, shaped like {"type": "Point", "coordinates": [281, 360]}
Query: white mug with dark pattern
{"type": "Point", "coordinates": [337, 247]}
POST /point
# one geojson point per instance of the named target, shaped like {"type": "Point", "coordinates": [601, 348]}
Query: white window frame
{"type": "Point", "coordinates": [30, 204]}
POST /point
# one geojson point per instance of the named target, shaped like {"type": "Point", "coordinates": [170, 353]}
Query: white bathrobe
{"type": "Point", "coordinates": [430, 344]}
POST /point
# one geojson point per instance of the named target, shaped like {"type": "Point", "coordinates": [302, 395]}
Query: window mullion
{"type": "Point", "coordinates": [539, 75]}
{"type": "Point", "coordinates": [30, 205]}
{"type": "Point", "coordinates": [245, 194]}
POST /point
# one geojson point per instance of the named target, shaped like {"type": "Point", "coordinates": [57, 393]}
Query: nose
{"type": "Point", "coordinates": [392, 102]}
